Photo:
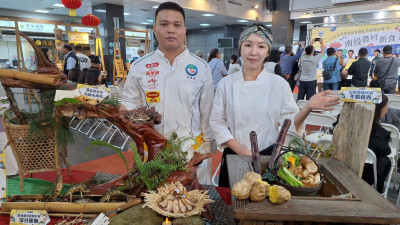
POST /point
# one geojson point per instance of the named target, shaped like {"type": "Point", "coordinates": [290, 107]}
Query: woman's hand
{"type": "Point", "coordinates": [321, 101]}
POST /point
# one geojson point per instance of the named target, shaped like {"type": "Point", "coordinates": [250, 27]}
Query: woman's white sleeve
{"type": "Point", "coordinates": [289, 110]}
{"type": "Point", "coordinates": [218, 118]}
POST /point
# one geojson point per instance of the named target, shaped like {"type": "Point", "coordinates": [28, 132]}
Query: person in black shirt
{"type": "Point", "coordinates": [379, 144]}
{"type": "Point", "coordinates": [94, 59]}
{"type": "Point", "coordinates": [359, 69]}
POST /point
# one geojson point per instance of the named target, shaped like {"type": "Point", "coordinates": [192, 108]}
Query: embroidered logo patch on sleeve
{"type": "Point", "coordinates": [153, 96]}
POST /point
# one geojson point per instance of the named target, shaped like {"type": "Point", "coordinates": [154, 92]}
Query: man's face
{"type": "Point", "coordinates": [376, 54]}
{"type": "Point", "coordinates": [87, 53]}
{"type": "Point", "coordinates": [170, 29]}
{"type": "Point", "coordinates": [350, 54]}
{"type": "Point", "coordinates": [64, 50]}
{"type": "Point", "coordinates": [339, 54]}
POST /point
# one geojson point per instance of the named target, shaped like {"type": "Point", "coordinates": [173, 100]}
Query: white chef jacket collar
{"type": "Point", "coordinates": [178, 57]}
{"type": "Point", "coordinates": [260, 76]}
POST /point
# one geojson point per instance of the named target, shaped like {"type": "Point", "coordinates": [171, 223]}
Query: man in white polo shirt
{"type": "Point", "coordinates": [176, 82]}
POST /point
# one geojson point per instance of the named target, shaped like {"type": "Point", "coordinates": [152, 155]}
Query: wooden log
{"type": "Point", "coordinates": [49, 79]}
{"type": "Point", "coordinates": [351, 135]}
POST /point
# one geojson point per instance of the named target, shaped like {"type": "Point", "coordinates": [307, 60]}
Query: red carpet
{"type": "Point", "coordinates": [225, 194]}
{"type": "Point", "coordinates": [111, 164]}
{"type": "Point", "coordinates": [78, 176]}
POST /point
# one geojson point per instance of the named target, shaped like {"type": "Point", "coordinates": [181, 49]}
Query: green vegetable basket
{"type": "Point", "coordinates": [301, 191]}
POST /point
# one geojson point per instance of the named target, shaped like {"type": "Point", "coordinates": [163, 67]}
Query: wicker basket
{"type": "Point", "coordinates": [34, 152]}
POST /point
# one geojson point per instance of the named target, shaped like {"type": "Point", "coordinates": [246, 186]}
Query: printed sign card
{"type": "Point", "coordinates": [361, 95]}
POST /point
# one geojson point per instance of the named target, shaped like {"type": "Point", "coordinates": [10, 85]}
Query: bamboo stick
{"type": "Point", "coordinates": [62, 207]}
{"type": "Point", "coordinates": [48, 79]}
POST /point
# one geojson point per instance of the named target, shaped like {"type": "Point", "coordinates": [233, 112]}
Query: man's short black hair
{"type": "Point", "coordinates": [86, 48]}
{"type": "Point", "coordinates": [67, 46]}
{"type": "Point", "coordinates": [288, 49]}
{"type": "Point", "coordinates": [377, 50]}
{"type": "Point", "coordinates": [351, 51]}
{"type": "Point", "coordinates": [339, 50]}
{"type": "Point", "coordinates": [362, 52]}
{"type": "Point", "coordinates": [387, 49]}
{"type": "Point", "coordinates": [170, 6]}
{"type": "Point", "coordinates": [330, 51]}
{"type": "Point", "coordinates": [309, 49]}
{"type": "Point", "coordinates": [78, 48]}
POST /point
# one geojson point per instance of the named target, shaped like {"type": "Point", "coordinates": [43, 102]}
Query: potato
{"type": "Point", "coordinates": [241, 190]}
{"type": "Point", "coordinates": [278, 194]}
{"type": "Point", "coordinates": [259, 191]}
{"type": "Point", "coordinates": [252, 177]}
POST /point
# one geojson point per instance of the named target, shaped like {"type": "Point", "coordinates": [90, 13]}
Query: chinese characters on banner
{"type": "Point", "coordinates": [353, 38]}
{"type": "Point", "coordinates": [78, 38]}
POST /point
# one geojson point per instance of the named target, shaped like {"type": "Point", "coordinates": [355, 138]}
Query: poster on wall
{"type": "Point", "coordinates": [78, 38]}
{"type": "Point", "coordinates": [371, 37]}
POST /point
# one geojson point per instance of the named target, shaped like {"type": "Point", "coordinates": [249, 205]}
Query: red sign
{"type": "Point", "coordinates": [152, 94]}
{"type": "Point", "coordinates": [152, 65]}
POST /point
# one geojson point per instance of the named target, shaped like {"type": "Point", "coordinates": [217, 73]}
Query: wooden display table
{"type": "Point", "coordinates": [366, 207]}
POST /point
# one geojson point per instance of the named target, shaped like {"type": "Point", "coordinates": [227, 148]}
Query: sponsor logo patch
{"type": "Point", "coordinates": [191, 70]}
{"type": "Point", "coordinates": [153, 96]}
{"type": "Point", "coordinates": [152, 65]}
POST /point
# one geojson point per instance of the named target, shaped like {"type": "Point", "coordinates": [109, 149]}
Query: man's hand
{"type": "Point", "coordinates": [321, 101]}
{"type": "Point", "coordinates": [302, 44]}
{"type": "Point", "coordinates": [321, 41]}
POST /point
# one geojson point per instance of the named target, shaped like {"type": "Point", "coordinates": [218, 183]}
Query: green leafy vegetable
{"type": "Point", "coordinates": [286, 160]}
{"type": "Point", "coordinates": [288, 177]}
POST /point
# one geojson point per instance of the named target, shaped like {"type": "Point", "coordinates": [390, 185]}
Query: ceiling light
{"type": "Point", "coordinates": [41, 11]}
{"type": "Point", "coordinates": [204, 24]}
{"type": "Point", "coordinates": [242, 21]}
{"type": "Point", "coordinates": [149, 20]}
{"type": "Point", "coordinates": [100, 10]}
{"type": "Point", "coordinates": [155, 7]}
{"type": "Point", "coordinates": [59, 5]}
{"type": "Point", "coordinates": [145, 23]}
{"type": "Point", "coordinates": [269, 25]}
{"type": "Point", "coordinates": [306, 22]}
{"type": "Point", "coordinates": [305, 13]}
{"type": "Point", "coordinates": [256, 6]}
{"type": "Point", "coordinates": [207, 14]}
{"type": "Point", "coordinates": [127, 14]}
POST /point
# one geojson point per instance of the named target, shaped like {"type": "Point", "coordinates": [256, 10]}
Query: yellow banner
{"type": "Point", "coordinates": [78, 38]}
{"type": "Point", "coordinates": [371, 37]}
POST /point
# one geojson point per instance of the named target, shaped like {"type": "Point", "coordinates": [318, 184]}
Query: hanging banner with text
{"type": "Point", "coordinates": [353, 38]}
{"type": "Point", "coordinates": [78, 38]}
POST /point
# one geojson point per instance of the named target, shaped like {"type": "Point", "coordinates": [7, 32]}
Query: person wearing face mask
{"type": "Point", "coordinates": [176, 82]}
{"type": "Point", "coordinates": [253, 99]}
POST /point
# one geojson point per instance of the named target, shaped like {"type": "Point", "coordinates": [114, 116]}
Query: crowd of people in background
{"type": "Point", "coordinates": [300, 68]}
{"type": "Point", "coordinates": [80, 65]}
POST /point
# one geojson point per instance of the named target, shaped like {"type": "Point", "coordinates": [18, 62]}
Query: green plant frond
{"type": "Point", "coordinates": [105, 144]}
{"type": "Point", "coordinates": [67, 100]}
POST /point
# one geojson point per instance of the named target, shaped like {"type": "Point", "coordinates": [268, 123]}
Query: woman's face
{"type": "Point", "coordinates": [231, 61]}
{"type": "Point", "coordinates": [254, 50]}
{"type": "Point", "coordinates": [383, 112]}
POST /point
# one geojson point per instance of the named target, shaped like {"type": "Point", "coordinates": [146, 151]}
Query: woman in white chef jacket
{"type": "Point", "coordinates": [255, 100]}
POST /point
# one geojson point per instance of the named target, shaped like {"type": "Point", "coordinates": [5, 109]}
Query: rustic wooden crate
{"type": "Point", "coordinates": [366, 207]}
